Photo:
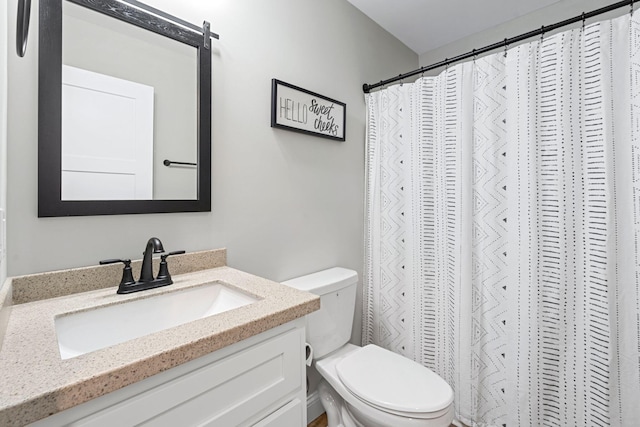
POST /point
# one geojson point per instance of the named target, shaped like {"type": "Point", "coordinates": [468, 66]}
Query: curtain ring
{"type": "Point", "coordinates": [584, 19]}
{"type": "Point", "coordinates": [475, 55]}
{"type": "Point", "coordinates": [631, 7]}
{"type": "Point", "coordinates": [400, 78]}
{"type": "Point", "coordinates": [541, 34]}
{"type": "Point", "coordinates": [506, 46]}
{"type": "Point", "coordinates": [422, 72]}
{"type": "Point", "coordinates": [446, 64]}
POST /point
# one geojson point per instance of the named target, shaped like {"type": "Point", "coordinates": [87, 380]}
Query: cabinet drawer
{"type": "Point", "coordinates": [290, 415]}
{"type": "Point", "coordinates": [224, 393]}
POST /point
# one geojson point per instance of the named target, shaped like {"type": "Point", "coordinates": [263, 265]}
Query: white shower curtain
{"type": "Point", "coordinates": [503, 229]}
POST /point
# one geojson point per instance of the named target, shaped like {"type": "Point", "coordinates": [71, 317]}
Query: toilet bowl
{"type": "Point", "coordinates": [416, 397]}
{"type": "Point", "coordinates": [366, 386]}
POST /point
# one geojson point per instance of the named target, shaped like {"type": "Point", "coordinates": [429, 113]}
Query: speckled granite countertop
{"type": "Point", "coordinates": [36, 382]}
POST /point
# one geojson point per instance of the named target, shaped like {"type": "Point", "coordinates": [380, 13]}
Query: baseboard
{"type": "Point", "coordinates": [314, 406]}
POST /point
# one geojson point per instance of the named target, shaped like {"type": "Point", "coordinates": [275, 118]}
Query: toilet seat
{"type": "Point", "coordinates": [393, 383]}
{"type": "Point", "coordinates": [365, 413]}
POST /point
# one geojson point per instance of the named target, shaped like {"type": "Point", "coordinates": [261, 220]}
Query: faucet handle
{"type": "Point", "coordinates": [127, 274]}
{"type": "Point", "coordinates": [173, 253]}
{"type": "Point", "coordinates": [163, 273]}
{"type": "Point", "coordinates": [114, 260]}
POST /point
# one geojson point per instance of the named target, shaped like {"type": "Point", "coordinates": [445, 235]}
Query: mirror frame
{"type": "Point", "coordinates": [50, 203]}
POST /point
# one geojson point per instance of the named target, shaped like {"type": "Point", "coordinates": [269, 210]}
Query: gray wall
{"type": "Point", "coordinates": [284, 204]}
{"type": "Point", "coordinates": [3, 129]}
{"type": "Point", "coordinates": [549, 15]}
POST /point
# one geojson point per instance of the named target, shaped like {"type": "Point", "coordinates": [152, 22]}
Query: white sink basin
{"type": "Point", "coordinates": [91, 330]}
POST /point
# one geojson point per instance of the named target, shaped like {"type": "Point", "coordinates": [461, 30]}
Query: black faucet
{"type": "Point", "coordinates": [154, 246]}
{"type": "Point", "coordinates": [128, 285]}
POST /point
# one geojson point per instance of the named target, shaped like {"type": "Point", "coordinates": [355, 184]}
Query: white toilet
{"type": "Point", "coordinates": [366, 386]}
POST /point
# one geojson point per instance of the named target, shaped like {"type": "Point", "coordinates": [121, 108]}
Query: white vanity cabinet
{"type": "Point", "coordinates": [259, 381]}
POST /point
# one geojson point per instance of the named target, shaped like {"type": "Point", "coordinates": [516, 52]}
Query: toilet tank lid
{"type": "Point", "coordinates": [324, 281]}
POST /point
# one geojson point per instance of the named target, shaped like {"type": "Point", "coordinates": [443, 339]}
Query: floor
{"type": "Point", "coordinates": [321, 421]}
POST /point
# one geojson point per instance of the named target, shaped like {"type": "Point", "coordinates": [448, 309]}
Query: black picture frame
{"type": "Point", "coordinates": [50, 203]}
{"type": "Point", "coordinates": [300, 110]}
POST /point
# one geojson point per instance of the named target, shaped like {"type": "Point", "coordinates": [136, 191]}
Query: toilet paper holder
{"type": "Point", "coordinates": [308, 354]}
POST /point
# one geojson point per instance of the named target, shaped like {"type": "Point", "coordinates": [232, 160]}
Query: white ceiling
{"type": "Point", "coordinates": [424, 25]}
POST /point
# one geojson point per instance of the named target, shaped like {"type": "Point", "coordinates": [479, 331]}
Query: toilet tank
{"type": "Point", "coordinates": [329, 328]}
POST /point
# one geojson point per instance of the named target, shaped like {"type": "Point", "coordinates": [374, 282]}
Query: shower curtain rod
{"type": "Point", "coordinates": [502, 44]}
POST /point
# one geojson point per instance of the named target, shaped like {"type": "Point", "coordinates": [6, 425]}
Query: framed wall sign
{"type": "Point", "coordinates": [300, 110]}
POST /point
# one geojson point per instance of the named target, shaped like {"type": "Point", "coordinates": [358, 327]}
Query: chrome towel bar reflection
{"type": "Point", "coordinates": [171, 162]}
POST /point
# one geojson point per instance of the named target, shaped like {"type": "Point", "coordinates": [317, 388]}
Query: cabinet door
{"type": "Point", "coordinates": [245, 385]}
{"type": "Point", "coordinates": [229, 392]}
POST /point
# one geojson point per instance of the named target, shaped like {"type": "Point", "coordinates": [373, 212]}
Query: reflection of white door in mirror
{"type": "Point", "coordinates": [107, 137]}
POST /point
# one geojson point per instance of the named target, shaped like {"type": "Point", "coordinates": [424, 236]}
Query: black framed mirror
{"type": "Point", "coordinates": [168, 121]}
